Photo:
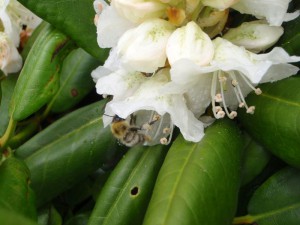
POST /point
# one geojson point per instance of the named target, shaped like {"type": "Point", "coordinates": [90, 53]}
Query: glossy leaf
{"type": "Point", "coordinates": [9, 217]}
{"type": "Point", "coordinates": [198, 182]}
{"type": "Point", "coordinates": [39, 29]}
{"type": "Point", "coordinates": [48, 215]}
{"type": "Point", "coordinates": [39, 80]}
{"type": "Point", "coordinates": [15, 193]}
{"type": "Point", "coordinates": [277, 201]}
{"type": "Point", "coordinates": [276, 121]}
{"type": "Point", "coordinates": [81, 219]}
{"type": "Point", "coordinates": [75, 80]}
{"type": "Point", "coordinates": [255, 160]}
{"type": "Point", "coordinates": [290, 40]}
{"type": "Point", "coordinates": [71, 124]}
{"type": "Point", "coordinates": [75, 18]}
{"type": "Point", "coordinates": [7, 87]}
{"type": "Point", "coordinates": [68, 158]}
{"type": "Point", "coordinates": [124, 198]}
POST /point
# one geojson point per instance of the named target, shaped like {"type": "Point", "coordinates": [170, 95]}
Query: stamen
{"type": "Point", "coordinates": [224, 102]}
{"type": "Point", "coordinates": [164, 141]}
{"type": "Point", "coordinates": [213, 94]}
{"type": "Point", "coordinates": [218, 108]}
{"type": "Point", "coordinates": [251, 110]}
{"type": "Point", "coordinates": [218, 97]}
{"type": "Point", "coordinates": [220, 114]}
{"type": "Point", "coordinates": [242, 105]}
{"type": "Point", "coordinates": [234, 83]}
{"type": "Point", "coordinates": [258, 91]}
{"type": "Point", "coordinates": [156, 117]}
{"type": "Point", "coordinates": [166, 130]}
{"type": "Point", "coordinates": [233, 114]}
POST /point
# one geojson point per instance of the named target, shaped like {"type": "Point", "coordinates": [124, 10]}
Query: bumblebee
{"type": "Point", "coordinates": [126, 132]}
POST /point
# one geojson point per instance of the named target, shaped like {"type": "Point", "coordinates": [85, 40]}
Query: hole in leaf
{"type": "Point", "coordinates": [134, 191]}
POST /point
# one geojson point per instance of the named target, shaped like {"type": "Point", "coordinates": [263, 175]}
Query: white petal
{"type": "Point", "coordinates": [148, 97]}
{"type": "Point", "coordinates": [110, 27]}
{"type": "Point", "coordinates": [143, 48]}
{"type": "Point", "coordinates": [190, 42]}
{"type": "Point", "coordinates": [279, 72]}
{"type": "Point", "coordinates": [255, 36]}
{"type": "Point", "coordinates": [138, 11]}
{"type": "Point", "coordinates": [231, 57]}
{"type": "Point", "coordinates": [121, 83]}
{"type": "Point", "coordinates": [275, 11]}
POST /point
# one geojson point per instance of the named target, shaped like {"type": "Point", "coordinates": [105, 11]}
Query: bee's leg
{"type": "Point", "coordinates": [132, 119]}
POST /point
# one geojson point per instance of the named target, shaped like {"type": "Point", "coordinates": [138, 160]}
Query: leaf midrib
{"type": "Point", "coordinates": [280, 100]}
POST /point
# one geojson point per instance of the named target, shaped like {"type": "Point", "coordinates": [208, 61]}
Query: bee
{"type": "Point", "coordinates": [127, 132]}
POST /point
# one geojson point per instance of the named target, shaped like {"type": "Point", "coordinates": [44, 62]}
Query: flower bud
{"type": "Point", "coordinates": [138, 11]}
{"type": "Point", "coordinates": [255, 36]}
{"type": "Point", "coordinates": [143, 48]}
{"type": "Point", "coordinates": [190, 42]}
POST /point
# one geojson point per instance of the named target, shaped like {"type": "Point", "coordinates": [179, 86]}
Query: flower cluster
{"type": "Point", "coordinates": [177, 57]}
{"type": "Point", "coordinates": [16, 24]}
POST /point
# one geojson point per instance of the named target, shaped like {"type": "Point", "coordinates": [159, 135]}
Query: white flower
{"type": "Point", "coordinates": [255, 36]}
{"type": "Point", "coordinates": [143, 48]}
{"type": "Point", "coordinates": [137, 11]}
{"type": "Point", "coordinates": [145, 93]}
{"type": "Point", "coordinates": [10, 59]}
{"type": "Point", "coordinates": [274, 11]}
{"type": "Point", "coordinates": [233, 73]}
{"type": "Point", "coordinates": [190, 42]}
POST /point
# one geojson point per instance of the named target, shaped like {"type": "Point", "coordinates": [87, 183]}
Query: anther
{"type": "Point", "coordinates": [220, 114]}
{"type": "Point", "coordinates": [242, 105]}
{"type": "Point", "coordinates": [218, 108]}
{"type": "Point", "coordinates": [233, 114]}
{"type": "Point", "coordinates": [166, 130]}
{"type": "Point", "coordinates": [100, 7]}
{"type": "Point", "coordinates": [156, 117]}
{"type": "Point", "coordinates": [218, 98]}
{"type": "Point", "coordinates": [258, 91]}
{"type": "Point", "coordinates": [104, 95]}
{"type": "Point", "coordinates": [234, 83]}
{"type": "Point", "coordinates": [251, 109]}
{"type": "Point", "coordinates": [164, 141]}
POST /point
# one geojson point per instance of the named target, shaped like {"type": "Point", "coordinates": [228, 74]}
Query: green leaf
{"type": "Point", "coordinates": [75, 80]}
{"type": "Point", "coordinates": [199, 182]}
{"type": "Point", "coordinates": [290, 40]}
{"type": "Point", "coordinates": [70, 125]}
{"type": "Point", "coordinates": [15, 193]}
{"type": "Point", "coordinates": [255, 160]}
{"type": "Point", "coordinates": [39, 80]}
{"type": "Point", "coordinates": [8, 217]}
{"type": "Point", "coordinates": [124, 198]}
{"type": "Point", "coordinates": [7, 87]}
{"type": "Point", "coordinates": [80, 219]}
{"type": "Point", "coordinates": [48, 215]}
{"type": "Point", "coordinates": [73, 17]}
{"type": "Point", "coordinates": [277, 201]}
{"type": "Point", "coordinates": [275, 123]}
{"type": "Point", "coordinates": [68, 158]}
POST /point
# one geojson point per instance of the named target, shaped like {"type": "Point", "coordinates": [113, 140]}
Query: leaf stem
{"type": "Point", "coordinates": [8, 133]}
{"type": "Point", "coordinates": [248, 219]}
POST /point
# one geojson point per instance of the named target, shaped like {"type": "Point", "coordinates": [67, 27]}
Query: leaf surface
{"type": "Point", "coordinates": [198, 182]}
{"type": "Point", "coordinates": [276, 121]}
{"type": "Point", "coordinates": [125, 196]}
{"type": "Point", "coordinates": [73, 17]}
